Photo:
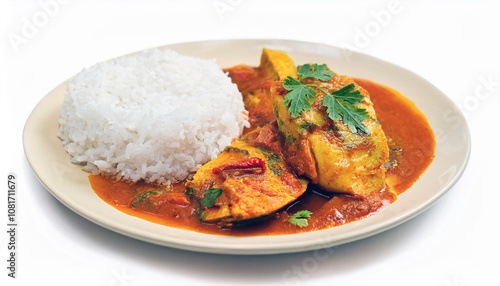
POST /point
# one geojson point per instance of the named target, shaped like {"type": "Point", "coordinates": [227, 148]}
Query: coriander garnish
{"type": "Point", "coordinates": [142, 197]}
{"type": "Point", "coordinates": [189, 192]}
{"type": "Point", "coordinates": [290, 138]}
{"type": "Point", "coordinates": [210, 196]}
{"type": "Point", "coordinates": [297, 100]}
{"type": "Point", "coordinates": [229, 149]}
{"type": "Point", "coordinates": [316, 71]}
{"type": "Point", "coordinates": [300, 218]}
{"type": "Point", "coordinates": [340, 103]}
{"type": "Point", "coordinates": [273, 165]}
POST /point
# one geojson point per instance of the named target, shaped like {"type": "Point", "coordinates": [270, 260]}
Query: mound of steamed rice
{"type": "Point", "coordinates": [156, 116]}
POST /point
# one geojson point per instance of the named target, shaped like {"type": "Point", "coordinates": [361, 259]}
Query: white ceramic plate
{"type": "Point", "coordinates": [70, 185]}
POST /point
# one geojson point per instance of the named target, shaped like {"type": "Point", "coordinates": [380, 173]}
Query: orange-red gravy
{"type": "Point", "coordinates": [411, 140]}
{"type": "Point", "coordinates": [411, 143]}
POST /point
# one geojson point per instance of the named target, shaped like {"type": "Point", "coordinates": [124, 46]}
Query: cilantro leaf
{"type": "Point", "coordinates": [341, 103]}
{"type": "Point", "coordinates": [297, 100]}
{"type": "Point", "coordinates": [273, 164]}
{"type": "Point", "coordinates": [332, 107]}
{"type": "Point", "coordinates": [142, 196]}
{"type": "Point", "coordinates": [189, 192]}
{"type": "Point", "coordinates": [210, 196]}
{"type": "Point", "coordinates": [300, 218]}
{"type": "Point", "coordinates": [346, 95]}
{"type": "Point", "coordinates": [320, 72]}
{"type": "Point", "coordinates": [353, 117]}
{"type": "Point", "coordinates": [201, 215]}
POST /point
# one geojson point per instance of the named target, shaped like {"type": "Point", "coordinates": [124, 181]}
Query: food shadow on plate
{"type": "Point", "coordinates": [291, 268]}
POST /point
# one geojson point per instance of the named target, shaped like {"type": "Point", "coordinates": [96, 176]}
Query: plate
{"type": "Point", "coordinates": [69, 183]}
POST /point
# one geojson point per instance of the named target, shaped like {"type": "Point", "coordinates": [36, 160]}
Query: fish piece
{"type": "Point", "coordinates": [250, 179]}
{"type": "Point", "coordinates": [277, 64]}
{"type": "Point", "coordinates": [255, 83]}
{"type": "Point", "coordinates": [327, 151]}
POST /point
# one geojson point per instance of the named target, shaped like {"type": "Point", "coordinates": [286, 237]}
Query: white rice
{"type": "Point", "coordinates": [156, 116]}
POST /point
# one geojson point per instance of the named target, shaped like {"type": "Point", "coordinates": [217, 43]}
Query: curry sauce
{"type": "Point", "coordinates": [411, 146]}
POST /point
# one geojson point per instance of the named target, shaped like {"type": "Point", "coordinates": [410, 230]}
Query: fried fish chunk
{"type": "Point", "coordinates": [255, 83]}
{"type": "Point", "coordinates": [326, 151]}
{"type": "Point", "coordinates": [277, 64]}
{"type": "Point", "coordinates": [249, 179]}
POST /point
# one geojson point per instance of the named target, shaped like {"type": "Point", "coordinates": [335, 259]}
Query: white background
{"type": "Point", "coordinates": [454, 45]}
